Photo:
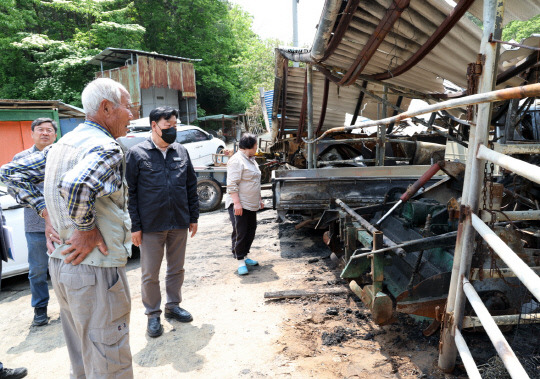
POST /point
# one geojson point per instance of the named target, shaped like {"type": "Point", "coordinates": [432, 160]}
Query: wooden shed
{"type": "Point", "coordinates": [152, 80]}
{"type": "Point", "coordinates": [16, 117]}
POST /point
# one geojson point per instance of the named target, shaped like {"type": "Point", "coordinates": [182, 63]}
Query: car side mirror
{"type": "Point", "coordinates": [210, 136]}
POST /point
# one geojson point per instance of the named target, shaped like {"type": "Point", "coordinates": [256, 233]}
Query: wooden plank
{"type": "Point", "coordinates": [292, 294]}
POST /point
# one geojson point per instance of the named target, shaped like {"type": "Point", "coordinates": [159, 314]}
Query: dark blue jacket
{"type": "Point", "coordinates": [162, 191]}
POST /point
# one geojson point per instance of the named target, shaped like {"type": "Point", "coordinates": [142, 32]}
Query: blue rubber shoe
{"type": "Point", "coordinates": [251, 262]}
{"type": "Point", "coordinates": [242, 270]}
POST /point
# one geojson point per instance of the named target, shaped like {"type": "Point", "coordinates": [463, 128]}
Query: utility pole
{"type": "Point", "coordinates": [295, 27]}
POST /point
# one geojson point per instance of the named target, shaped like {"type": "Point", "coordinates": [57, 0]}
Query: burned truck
{"type": "Point", "coordinates": [432, 209]}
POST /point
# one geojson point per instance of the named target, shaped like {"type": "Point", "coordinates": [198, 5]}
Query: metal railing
{"type": "Point", "coordinates": [461, 289]}
{"type": "Point", "coordinates": [519, 268]}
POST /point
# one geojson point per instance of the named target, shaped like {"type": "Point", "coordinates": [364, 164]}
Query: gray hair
{"type": "Point", "coordinates": [98, 90]}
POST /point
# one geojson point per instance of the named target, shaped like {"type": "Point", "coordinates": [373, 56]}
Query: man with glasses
{"type": "Point", "coordinates": [43, 134]}
{"type": "Point", "coordinates": [163, 205]}
{"type": "Point", "coordinates": [84, 203]}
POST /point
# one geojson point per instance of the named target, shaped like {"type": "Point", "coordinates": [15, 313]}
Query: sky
{"type": "Point", "coordinates": [273, 18]}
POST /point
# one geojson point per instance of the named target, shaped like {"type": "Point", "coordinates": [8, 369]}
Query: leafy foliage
{"type": "Point", "coordinates": [518, 30]}
{"type": "Point", "coordinates": [45, 45]}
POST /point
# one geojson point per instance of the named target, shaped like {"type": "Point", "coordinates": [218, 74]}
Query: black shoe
{"type": "Point", "coordinates": [154, 328]}
{"type": "Point", "coordinates": [179, 314]}
{"type": "Point", "coordinates": [15, 373]}
{"type": "Point", "coordinates": [40, 316]}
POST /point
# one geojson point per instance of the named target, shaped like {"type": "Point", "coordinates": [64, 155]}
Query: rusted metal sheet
{"type": "Point", "coordinates": [115, 74]}
{"type": "Point", "coordinates": [160, 74]}
{"type": "Point", "coordinates": [151, 71]}
{"type": "Point", "coordinates": [123, 74]}
{"type": "Point", "coordinates": [188, 80]}
{"type": "Point", "coordinates": [174, 70]}
{"type": "Point", "coordinates": [133, 80]}
{"type": "Point", "coordinates": [340, 101]}
{"type": "Point", "coordinates": [98, 74]}
{"type": "Point", "coordinates": [423, 298]}
{"type": "Point", "coordinates": [145, 78]}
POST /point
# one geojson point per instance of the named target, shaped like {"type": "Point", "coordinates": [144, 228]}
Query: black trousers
{"type": "Point", "coordinates": [243, 233]}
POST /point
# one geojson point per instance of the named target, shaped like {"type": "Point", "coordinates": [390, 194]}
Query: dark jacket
{"type": "Point", "coordinates": [162, 192]}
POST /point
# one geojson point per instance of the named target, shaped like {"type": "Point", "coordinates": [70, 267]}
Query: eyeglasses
{"type": "Point", "coordinates": [45, 131]}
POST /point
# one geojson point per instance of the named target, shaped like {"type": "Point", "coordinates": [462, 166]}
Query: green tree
{"type": "Point", "coordinates": [47, 60]}
{"type": "Point", "coordinates": [518, 30]}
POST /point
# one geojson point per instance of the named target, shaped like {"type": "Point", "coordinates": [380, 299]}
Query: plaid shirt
{"type": "Point", "coordinates": [100, 176]}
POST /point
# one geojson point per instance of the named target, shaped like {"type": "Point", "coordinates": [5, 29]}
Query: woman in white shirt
{"type": "Point", "coordinates": [243, 199]}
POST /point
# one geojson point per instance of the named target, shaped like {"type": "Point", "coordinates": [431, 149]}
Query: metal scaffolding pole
{"type": "Point", "coordinates": [381, 132]}
{"type": "Point", "coordinates": [474, 174]}
{"type": "Point", "coordinates": [310, 147]}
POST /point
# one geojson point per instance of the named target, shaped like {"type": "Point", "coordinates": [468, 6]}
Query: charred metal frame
{"type": "Point", "coordinates": [460, 287]}
{"type": "Point", "coordinates": [323, 106]}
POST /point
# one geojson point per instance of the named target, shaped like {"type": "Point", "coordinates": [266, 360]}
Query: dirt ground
{"type": "Point", "coordinates": [235, 332]}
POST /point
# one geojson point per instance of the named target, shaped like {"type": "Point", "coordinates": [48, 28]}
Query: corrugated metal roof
{"type": "Point", "coordinates": [114, 56]}
{"type": "Point", "coordinates": [64, 110]}
{"type": "Point", "coordinates": [413, 46]}
{"type": "Point", "coordinates": [408, 31]}
{"type": "Point", "coordinates": [341, 102]}
{"type": "Point", "coordinates": [268, 100]}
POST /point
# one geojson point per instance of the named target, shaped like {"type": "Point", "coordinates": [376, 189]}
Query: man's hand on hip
{"type": "Point", "coordinates": [82, 243]}
{"type": "Point", "coordinates": [193, 229]}
{"type": "Point", "coordinates": [51, 235]}
{"type": "Point", "coordinates": [136, 238]}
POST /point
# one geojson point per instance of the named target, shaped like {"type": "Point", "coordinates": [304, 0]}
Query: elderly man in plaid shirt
{"type": "Point", "coordinates": [84, 204]}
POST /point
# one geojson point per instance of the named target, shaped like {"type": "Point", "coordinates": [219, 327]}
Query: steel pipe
{"type": "Point", "coordinates": [527, 170]}
{"type": "Point", "coordinates": [512, 364]}
{"type": "Point", "coordinates": [371, 139]}
{"type": "Point", "coordinates": [529, 318]}
{"type": "Point", "coordinates": [324, 30]}
{"type": "Point", "coordinates": [309, 90]}
{"type": "Point", "coordinates": [517, 148]}
{"type": "Point", "coordinates": [511, 215]}
{"type": "Point", "coordinates": [531, 90]}
{"type": "Point", "coordinates": [527, 276]}
{"type": "Point", "coordinates": [493, 14]}
{"type": "Point", "coordinates": [466, 357]}
{"type": "Point", "coordinates": [486, 273]}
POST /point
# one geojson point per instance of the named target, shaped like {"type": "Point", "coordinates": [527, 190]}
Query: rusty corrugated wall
{"type": "Point", "coordinates": [154, 72]}
{"type": "Point", "coordinates": [188, 80]}
{"type": "Point", "coordinates": [174, 71]}
{"type": "Point", "coordinates": [127, 75]}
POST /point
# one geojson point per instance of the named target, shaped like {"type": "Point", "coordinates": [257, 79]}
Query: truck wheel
{"type": "Point", "coordinates": [210, 194]}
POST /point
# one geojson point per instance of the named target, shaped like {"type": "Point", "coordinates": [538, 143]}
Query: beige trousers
{"type": "Point", "coordinates": [95, 305]}
{"type": "Point", "coordinates": [152, 251]}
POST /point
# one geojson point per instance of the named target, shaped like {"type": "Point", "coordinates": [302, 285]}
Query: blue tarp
{"type": "Point", "coordinates": [268, 99]}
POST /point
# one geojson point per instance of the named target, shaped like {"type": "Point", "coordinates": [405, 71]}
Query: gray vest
{"type": "Point", "coordinates": [111, 213]}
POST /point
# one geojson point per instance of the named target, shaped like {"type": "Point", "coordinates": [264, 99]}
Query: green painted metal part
{"type": "Point", "coordinates": [355, 269]}
{"type": "Point", "coordinates": [365, 238]}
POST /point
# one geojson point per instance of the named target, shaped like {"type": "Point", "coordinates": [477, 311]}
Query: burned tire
{"type": "Point", "coordinates": [210, 194]}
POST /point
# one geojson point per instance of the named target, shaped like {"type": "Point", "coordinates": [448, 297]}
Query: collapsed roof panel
{"type": "Point", "coordinates": [378, 37]}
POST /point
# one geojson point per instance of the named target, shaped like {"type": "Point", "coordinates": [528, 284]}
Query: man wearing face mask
{"type": "Point", "coordinates": [164, 206]}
